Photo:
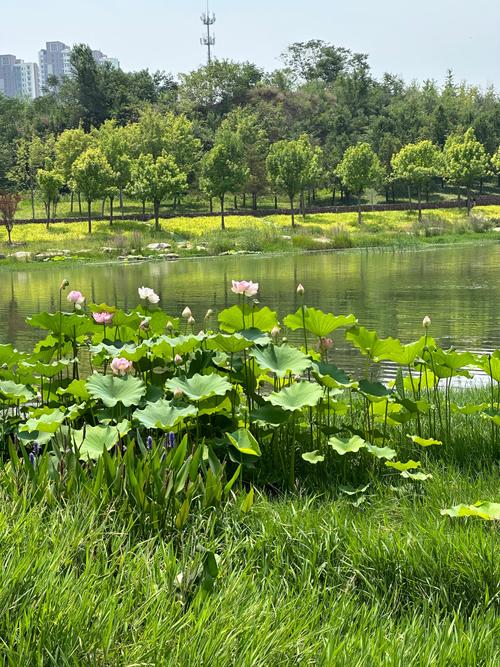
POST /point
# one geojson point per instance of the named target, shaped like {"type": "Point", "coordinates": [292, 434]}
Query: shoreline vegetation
{"type": "Point", "coordinates": [183, 237]}
{"type": "Point", "coordinates": [210, 480]}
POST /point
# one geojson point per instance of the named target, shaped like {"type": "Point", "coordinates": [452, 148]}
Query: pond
{"type": "Point", "coordinates": [390, 291]}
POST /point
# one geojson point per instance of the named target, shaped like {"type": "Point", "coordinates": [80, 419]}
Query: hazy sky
{"type": "Point", "coordinates": [417, 39]}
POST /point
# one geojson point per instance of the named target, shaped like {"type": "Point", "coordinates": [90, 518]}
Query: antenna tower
{"type": "Point", "coordinates": [208, 40]}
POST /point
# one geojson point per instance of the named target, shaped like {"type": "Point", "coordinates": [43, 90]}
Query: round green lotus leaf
{"type": "Point", "coordinates": [93, 440]}
{"type": "Point", "coordinates": [297, 396]}
{"type": "Point", "coordinates": [317, 322]}
{"type": "Point", "coordinates": [313, 457]}
{"type": "Point", "coordinates": [482, 509]}
{"type": "Point", "coordinates": [111, 389]}
{"type": "Point", "coordinates": [281, 359]}
{"type": "Point", "coordinates": [163, 415]}
{"type": "Point", "coordinates": [199, 386]}
{"type": "Point", "coordinates": [342, 447]}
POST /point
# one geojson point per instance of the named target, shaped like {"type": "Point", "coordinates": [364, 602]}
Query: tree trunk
{"type": "Point", "coordinates": [409, 198]}
{"type": "Point", "coordinates": [244, 199]}
{"type": "Point", "coordinates": [235, 203]}
{"type": "Point", "coordinates": [222, 222]}
{"type": "Point", "coordinates": [211, 204]}
{"type": "Point", "coordinates": [33, 203]}
{"type": "Point", "coordinates": [9, 233]}
{"type": "Point", "coordinates": [48, 213]}
{"type": "Point", "coordinates": [276, 201]}
{"type": "Point", "coordinates": [469, 203]}
{"type": "Point", "coordinates": [292, 209]}
{"type": "Point", "coordinates": [419, 194]}
{"type": "Point", "coordinates": [103, 205]}
{"type": "Point", "coordinates": [386, 194]}
{"type": "Point", "coordinates": [121, 202]}
{"type": "Point", "coordinates": [111, 201]}
{"type": "Point", "coordinates": [333, 195]}
{"type": "Point", "coordinates": [79, 204]}
{"type": "Point", "coordinates": [71, 201]}
{"type": "Point", "coordinates": [359, 209]}
{"type": "Point", "coordinates": [156, 207]}
{"type": "Point", "coordinates": [89, 211]}
{"type": "Point", "coordinates": [481, 185]}
{"type": "Point", "coordinates": [301, 204]}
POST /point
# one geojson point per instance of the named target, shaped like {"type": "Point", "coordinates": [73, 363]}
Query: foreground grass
{"type": "Point", "coordinates": [303, 580]}
{"type": "Point", "coordinates": [203, 236]}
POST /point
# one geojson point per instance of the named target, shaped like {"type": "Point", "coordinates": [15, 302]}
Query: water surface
{"type": "Point", "coordinates": [390, 291]}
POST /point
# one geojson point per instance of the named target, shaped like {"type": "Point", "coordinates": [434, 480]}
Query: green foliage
{"type": "Point", "coordinates": [359, 169]}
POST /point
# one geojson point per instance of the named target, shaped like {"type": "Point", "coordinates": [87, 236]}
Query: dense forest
{"type": "Point", "coordinates": [323, 93]}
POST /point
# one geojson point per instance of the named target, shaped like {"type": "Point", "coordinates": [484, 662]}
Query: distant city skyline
{"type": "Point", "coordinates": [417, 42]}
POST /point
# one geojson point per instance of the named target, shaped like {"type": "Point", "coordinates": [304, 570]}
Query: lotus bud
{"type": "Point", "coordinates": [169, 326]}
{"type": "Point", "coordinates": [426, 322]}
{"type": "Point", "coordinates": [191, 320]}
{"type": "Point", "coordinates": [275, 332]}
{"type": "Point", "coordinates": [300, 289]}
{"type": "Point", "coordinates": [284, 339]}
{"type": "Point", "coordinates": [178, 360]}
{"type": "Point", "coordinates": [178, 393]}
{"type": "Point", "coordinates": [186, 313]}
{"type": "Point", "coordinates": [144, 325]}
{"type": "Point", "coordinates": [64, 284]}
{"type": "Point", "coordinates": [209, 314]}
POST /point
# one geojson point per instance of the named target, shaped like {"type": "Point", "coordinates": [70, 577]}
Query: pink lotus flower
{"type": "Point", "coordinates": [76, 298]}
{"type": "Point", "coordinates": [121, 366]}
{"type": "Point", "coordinates": [246, 287]}
{"type": "Point", "coordinates": [324, 344]}
{"type": "Point", "coordinates": [178, 359]}
{"type": "Point", "coordinates": [148, 294]}
{"type": "Point", "coordinates": [103, 318]}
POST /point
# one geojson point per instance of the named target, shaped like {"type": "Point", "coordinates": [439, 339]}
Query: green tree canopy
{"type": "Point", "coordinates": [92, 177]}
{"type": "Point", "coordinates": [359, 169]}
{"type": "Point", "coordinates": [466, 161]}
{"type": "Point", "coordinates": [418, 164]}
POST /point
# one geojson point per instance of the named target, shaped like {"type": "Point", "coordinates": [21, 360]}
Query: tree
{"type": "Point", "coordinates": [417, 164]}
{"type": "Point", "coordinates": [466, 161]}
{"type": "Point", "coordinates": [292, 165]}
{"type": "Point", "coordinates": [8, 208]}
{"type": "Point", "coordinates": [91, 176]}
{"type": "Point", "coordinates": [69, 145]}
{"type": "Point", "coordinates": [31, 155]}
{"type": "Point", "coordinates": [156, 180]}
{"type": "Point", "coordinates": [255, 143]}
{"type": "Point", "coordinates": [112, 140]}
{"type": "Point", "coordinates": [50, 182]}
{"type": "Point", "coordinates": [359, 169]}
{"type": "Point", "coordinates": [223, 170]}
{"type": "Point", "coordinates": [495, 161]}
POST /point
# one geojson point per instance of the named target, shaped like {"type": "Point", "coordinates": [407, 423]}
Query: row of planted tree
{"type": "Point", "coordinates": [159, 158]}
{"type": "Point", "coordinates": [169, 416]}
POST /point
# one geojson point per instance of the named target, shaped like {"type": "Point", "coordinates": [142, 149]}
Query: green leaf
{"type": "Point", "coordinates": [300, 395]}
{"type": "Point", "coordinates": [77, 389]}
{"type": "Point", "coordinates": [332, 377]}
{"type": "Point", "coordinates": [342, 447]}
{"type": "Point", "coordinates": [111, 389]}
{"type": "Point", "coordinates": [13, 393]}
{"type": "Point", "coordinates": [45, 421]}
{"type": "Point", "coordinates": [244, 442]}
{"type": "Point", "coordinates": [270, 415]}
{"type": "Point", "coordinates": [350, 491]}
{"type": "Point", "coordinates": [93, 440]}
{"type": "Point", "coordinates": [228, 344]}
{"type": "Point", "coordinates": [482, 509]}
{"type": "Point", "coordinates": [199, 386]}
{"type": "Point", "coordinates": [313, 457]}
{"type": "Point", "coordinates": [418, 476]}
{"type": "Point", "coordinates": [281, 359]}
{"type": "Point", "coordinates": [424, 442]}
{"type": "Point", "coordinates": [374, 391]}
{"type": "Point", "coordinates": [247, 504]}
{"type": "Point", "coordinates": [381, 452]}
{"type": "Point", "coordinates": [397, 465]}
{"type": "Point", "coordinates": [317, 322]}
{"type": "Point", "coordinates": [238, 318]}
{"type": "Point", "coordinates": [70, 325]}
{"type": "Point", "coordinates": [163, 415]}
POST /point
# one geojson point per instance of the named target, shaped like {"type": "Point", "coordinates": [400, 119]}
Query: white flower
{"type": "Point", "coordinates": [148, 294]}
{"type": "Point", "coordinates": [426, 322]}
{"type": "Point", "coordinates": [186, 313]}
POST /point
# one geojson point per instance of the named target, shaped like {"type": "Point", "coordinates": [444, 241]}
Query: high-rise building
{"type": "Point", "coordinates": [17, 78]}
{"type": "Point", "coordinates": [54, 60]}
{"type": "Point", "coordinates": [101, 59]}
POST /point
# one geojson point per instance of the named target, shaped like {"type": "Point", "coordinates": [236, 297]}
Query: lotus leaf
{"type": "Point", "coordinates": [112, 390]}
{"type": "Point", "coordinates": [297, 396]}
{"type": "Point", "coordinates": [199, 386]}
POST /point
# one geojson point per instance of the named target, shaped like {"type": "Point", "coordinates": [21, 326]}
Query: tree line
{"type": "Point", "coordinates": [321, 120]}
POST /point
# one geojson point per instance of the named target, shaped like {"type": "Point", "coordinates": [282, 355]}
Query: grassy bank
{"type": "Point", "coordinates": [203, 236]}
{"type": "Point", "coordinates": [302, 580]}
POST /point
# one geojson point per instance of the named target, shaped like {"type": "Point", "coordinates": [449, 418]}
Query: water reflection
{"type": "Point", "coordinates": [390, 291]}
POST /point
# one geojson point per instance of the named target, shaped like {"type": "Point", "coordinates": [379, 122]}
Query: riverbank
{"type": "Point", "coordinates": [133, 241]}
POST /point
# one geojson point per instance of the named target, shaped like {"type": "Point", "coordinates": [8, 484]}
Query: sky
{"type": "Point", "coordinates": [416, 39]}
